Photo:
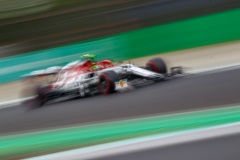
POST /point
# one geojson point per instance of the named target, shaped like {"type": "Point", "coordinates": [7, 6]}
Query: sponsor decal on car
{"type": "Point", "coordinates": [122, 84]}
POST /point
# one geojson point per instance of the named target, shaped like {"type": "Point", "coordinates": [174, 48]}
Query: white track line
{"type": "Point", "coordinates": [213, 68]}
{"type": "Point", "coordinates": [12, 103]}
{"type": "Point", "coordinates": [143, 143]}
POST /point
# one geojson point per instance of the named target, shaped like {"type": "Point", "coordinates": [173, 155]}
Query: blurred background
{"type": "Point", "coordinates": [195, 34]}
{"type": "Point", "coordinates": [29, 25]}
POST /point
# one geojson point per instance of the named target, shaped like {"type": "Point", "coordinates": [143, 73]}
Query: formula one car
{"type": "Point", "coordinates": [89, 77]}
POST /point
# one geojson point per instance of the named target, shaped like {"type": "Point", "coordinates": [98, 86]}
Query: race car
{"type": "Point", "coordinates": [89, 77]}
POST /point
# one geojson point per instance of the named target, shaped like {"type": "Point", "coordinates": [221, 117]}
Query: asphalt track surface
{"type": "Point", "coordinates": [221, 148]}
{"type": "Point", "coordinates": [190, 92]}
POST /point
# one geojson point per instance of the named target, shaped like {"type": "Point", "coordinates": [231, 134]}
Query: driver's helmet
{"type": "Point", "coordinates": [90, 57]}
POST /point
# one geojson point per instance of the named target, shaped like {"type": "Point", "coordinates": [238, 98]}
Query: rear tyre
{"type": "Point", "coordinates": [157, 65]}
{"type": "Point", "coordinates": [107, 82]}
{"type": "Point", "coordinates": [37, 101]}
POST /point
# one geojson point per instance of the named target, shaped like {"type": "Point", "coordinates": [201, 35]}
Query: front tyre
{"type": "Point", "coordinates": [107, 81]}
{"type": "Point", "coordinates": [157, 65]}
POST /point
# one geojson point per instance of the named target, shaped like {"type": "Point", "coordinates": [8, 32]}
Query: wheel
{"type": "Point", "coordinates": [107, 82]}
{"type": "Point", "coordinates": [157, 65]}
{"type": "Point", "coordinates": [37, 101]}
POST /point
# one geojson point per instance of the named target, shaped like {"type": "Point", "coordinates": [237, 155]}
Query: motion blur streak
{"type": "Point", "coordinates": [17, 8]}
{"type": "Point", "coordinates": [25, 145]}
{"type": "Point", "coordinates": [105, 19]}
{"type": "Point", "coordinates": [144, 144]}
{"type": "Point", "coordinates": [37, 34]}
{"type": "Point", "coordinates": [216, 143]}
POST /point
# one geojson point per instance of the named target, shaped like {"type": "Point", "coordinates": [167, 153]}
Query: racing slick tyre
{"type": "Point", "coordinates": [37, 101]}
{"type": "Point", "coordinates": [107, 82]}
{"type": "Point", "coordinates": [157, 65]}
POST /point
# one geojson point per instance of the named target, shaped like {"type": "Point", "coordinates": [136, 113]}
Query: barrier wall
{"type": "Point", "coordinates": [194, 32]}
